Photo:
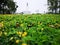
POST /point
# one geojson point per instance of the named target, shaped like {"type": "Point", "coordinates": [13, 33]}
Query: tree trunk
{"type": "Point", "coordinates": [59, 7]}
{"type": "Point", "coordinates": [56, 6]}
{"type": "Point", "coordinates": [55, 11]}
{"type": "Point", "coordinates": [3, 8]}
{"type": "Point", "coordinates": [52, 11]}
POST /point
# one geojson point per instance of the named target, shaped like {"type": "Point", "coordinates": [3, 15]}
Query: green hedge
{"type": "Point", "coordinates": [30, 29]}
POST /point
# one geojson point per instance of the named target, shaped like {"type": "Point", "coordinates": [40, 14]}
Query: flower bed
{"type": "Point", "coordinates": [30, 29]}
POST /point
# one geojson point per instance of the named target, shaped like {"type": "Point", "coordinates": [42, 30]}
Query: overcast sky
{"type": "Point", "coordinates": [33, 5]}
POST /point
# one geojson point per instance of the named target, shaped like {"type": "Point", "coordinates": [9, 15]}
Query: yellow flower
{"type": "Point", "coordinates": [21, 25]}
{"type": "Point", "coordinates": [2, 22]}
{"type": "Point", "coordinates": [11, 38]}
{"type": "Point", "coordinates": [19, 33]}
{"type": "Point", "coordinates": [0, 33]}
{"type": "Point", "coordinates": [42, 29]}
{"type": "Point", "coordinates": [5, 33]}
{"type": "Point", "coordinates": [24, 34]}
{"type": "Point", "coordinates": [24, 44]}
{"type": "Point", "coordinates": [39, 23]}
{"type": "Point", "coordinates": [17, 41]}
{"type": "Point", "coordinates": [1, 25]}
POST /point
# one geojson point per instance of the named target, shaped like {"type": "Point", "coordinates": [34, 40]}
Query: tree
{"type": "Point", "coordinates": [54, 5]}
{"type": "Point", "coordinates": [50, 3]}
{"type": "Point", "coordinates": [7, 6]}
{"type": "Point", "coordinates": [59, 5]}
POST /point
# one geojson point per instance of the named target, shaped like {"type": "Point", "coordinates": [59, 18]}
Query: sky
{"type": "Point", "coordinates": [34, 6]}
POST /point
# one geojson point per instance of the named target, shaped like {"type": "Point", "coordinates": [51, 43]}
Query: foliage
{"type": "Point", "coordinates": [30, 29]}
{"type": "Point", "coordinates": [7, 6]}
{"type": "Point", "coordinates": [54, 6]}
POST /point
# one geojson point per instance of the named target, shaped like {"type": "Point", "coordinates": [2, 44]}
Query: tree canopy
{"type": "Point", "coordinates": [7, 6]}
{"type": "Point", "coordinates": [54, 6]}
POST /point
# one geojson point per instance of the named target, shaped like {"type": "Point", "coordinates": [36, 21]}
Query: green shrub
{"type": "Point", "coordinates": [30, 29]}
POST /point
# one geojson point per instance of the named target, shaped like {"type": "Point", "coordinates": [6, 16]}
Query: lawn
{"type": "Point", "coordinates": [34, 29]}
